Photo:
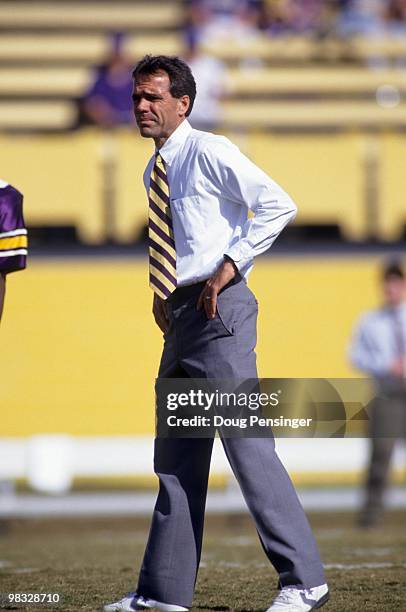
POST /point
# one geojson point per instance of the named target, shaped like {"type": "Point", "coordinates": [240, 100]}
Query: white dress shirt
{"type": "Point", "coordinates": [212, 186]}
{"type": "Point", "coordinates": [375, 345]}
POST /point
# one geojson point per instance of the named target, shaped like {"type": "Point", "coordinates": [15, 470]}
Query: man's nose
{"type": "Point", "coordinates": [141, 106]}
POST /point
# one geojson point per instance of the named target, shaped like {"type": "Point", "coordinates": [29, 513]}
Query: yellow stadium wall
{"type": "Point", "coordinates": [80, 349]}
{"type": "Point", "coordinates": [64, 179]}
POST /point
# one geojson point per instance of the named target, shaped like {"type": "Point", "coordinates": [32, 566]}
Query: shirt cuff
{"type": "Point", "coordinates": [236, 254]}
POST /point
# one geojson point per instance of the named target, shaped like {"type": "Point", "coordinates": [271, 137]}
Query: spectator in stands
{"type": "Point", "coordinates": [363, 17]}
{"type": "Point", "coordinates": [214, 20]}
{"type": "Point", "coordinates": [298, 16]}
{"type": "Point", "coordinates": [224, 20]}
{"type": "Point", "coordinates": [303, 15]}
{"type": "Point", "coordinates": [227, 22]}
{"type": "Point", "coordinates": [108, 101]}
{"type": "Point", "coordinates": [211, 82]}
{"type": "Point", "coordinates": [396, 17]}
{"type": "Point", "coordinates": [378, 348]}
{"type": "Point", "coordinates": [274, 18]}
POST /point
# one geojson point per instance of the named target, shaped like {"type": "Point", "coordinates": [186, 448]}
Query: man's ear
{"type": "Point", "coordinates": [183, 105]}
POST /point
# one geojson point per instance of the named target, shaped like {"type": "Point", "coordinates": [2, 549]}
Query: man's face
{"type": "Point", "coordinates": [394, 290]}
{"type": "Point", "coordinates": [156, 111]}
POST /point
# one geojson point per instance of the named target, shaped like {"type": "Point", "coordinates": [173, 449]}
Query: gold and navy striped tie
{"type": "Point", "coordinates": [162, 253]}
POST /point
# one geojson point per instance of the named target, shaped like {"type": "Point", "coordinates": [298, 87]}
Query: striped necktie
{"type": "Point", "coordinates": [162, 253]}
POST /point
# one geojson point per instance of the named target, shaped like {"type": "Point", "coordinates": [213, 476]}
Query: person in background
{"type": "Point", "coordinates": [13, 235]}
{"type": "Point", "coordinates": [299, 16]}
{"type": "Point", "coordinates": [378, 348]}
{"type": "Point", "coordinates": [223, 21]}
{"type": "Point", "coordinates": [362, 17]}
{"type": "Point", "coordinates": [396, 17]}
{"type": "Point", "coordinates": [108, 101]}
{"type": "Point", "coordinates": [302, 17]}
{"type": "Point", "coordinates": [211, 79]}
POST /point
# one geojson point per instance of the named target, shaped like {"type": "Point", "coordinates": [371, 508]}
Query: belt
{"type": "Point", "coordinates": [185, 292]}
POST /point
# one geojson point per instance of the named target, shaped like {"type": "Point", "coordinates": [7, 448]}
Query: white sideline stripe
{"type": "Point", "coordinates": [142, 503]}
{"type": "Point", "coordinates": [328, 566]}
{"type": "Point", "coordinates": [15, 252]}
{"type": "Point", "coordinates": [376, 552]}
{"type": "Point", "coordinates": [133, 456]}
{"type": "Point", "coordinates": [22, 570]}
{"type": "Point", "coordinates": [352, 566]}
{"type": "Point", "coordinates": [17, 232]}
{"type": "Point", "coordinates": [4, 563]}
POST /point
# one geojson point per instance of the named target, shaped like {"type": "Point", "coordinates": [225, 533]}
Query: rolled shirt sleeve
{"type": "Point", "coordinates": [240, 180]}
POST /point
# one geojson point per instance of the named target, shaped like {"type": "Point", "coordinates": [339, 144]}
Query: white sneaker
{"type": "Point", "coordinates": [292, 599]}
{"type": "Point", "coordinates": [158, 605]}
{"type": "Point", "coordinates": [132, 602]}
{"type": "Point", "coordinates": [127, 604]}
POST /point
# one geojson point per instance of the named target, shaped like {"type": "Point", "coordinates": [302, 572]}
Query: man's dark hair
{"type": "Point", "coordinates": [393, 269]}
{"type": "Point", "coordinates": [179, 73]}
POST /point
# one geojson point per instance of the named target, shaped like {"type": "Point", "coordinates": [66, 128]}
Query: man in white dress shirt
{"type": "Point", "coordinates": [201, 250]}
{"type": "Point", "coordinates": [378, 348]}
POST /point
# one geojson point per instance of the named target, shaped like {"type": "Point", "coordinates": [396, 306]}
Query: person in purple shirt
{"type": "Point", "coordinates": [13, 235]}
{"type": "Point", "coordinates": [108, 101]}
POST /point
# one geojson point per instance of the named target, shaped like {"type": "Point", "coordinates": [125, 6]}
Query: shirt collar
{"type": "Point", "coordinates": [396, 310]}
{"type": "Point", "coordinates": [175, 141]}
{"type": "Point", "coordinates": [3, 184]}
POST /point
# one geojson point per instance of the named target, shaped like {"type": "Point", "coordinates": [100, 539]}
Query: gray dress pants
{"type": "Point", "coordinates": [220, 348]}
{"type": "Point", "coordinates": [387, 424]}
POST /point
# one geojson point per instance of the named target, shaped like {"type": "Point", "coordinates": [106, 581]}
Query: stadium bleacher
{"type": "Point", "coordinates": [89, 15]}
{"type": "Point", "coordinates": [282, 85]}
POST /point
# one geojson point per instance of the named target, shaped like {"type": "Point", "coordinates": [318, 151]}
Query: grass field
{"type": "Point", "coordinates": [94, 561]}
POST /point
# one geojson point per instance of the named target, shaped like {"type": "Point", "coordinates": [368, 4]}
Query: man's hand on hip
{"type": "Point", "coordinates": [160, 314]}
{"type": "Point", "coordinates": [208, 297]}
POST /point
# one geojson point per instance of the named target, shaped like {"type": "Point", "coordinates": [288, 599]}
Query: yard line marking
{"type": "Point", "coordinates": [22, 570]}
{"type": "Point", "coordinates": [328, 566]}
{"type": "Point", "coordinates": [377, 552]}
{"type": "Point", "coordinates": [352, 566]}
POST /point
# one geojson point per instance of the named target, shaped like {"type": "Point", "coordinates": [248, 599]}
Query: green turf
{"type": "Point", "coordinates": [94, 561]}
